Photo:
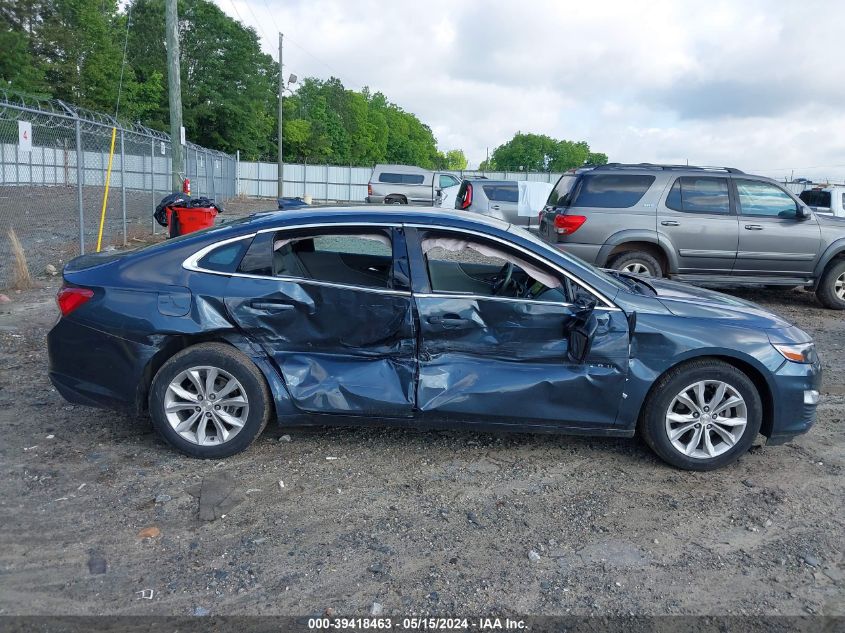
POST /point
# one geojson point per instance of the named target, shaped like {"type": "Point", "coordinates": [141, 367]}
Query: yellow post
{"type": "Point", "coordinates": [106, 192]}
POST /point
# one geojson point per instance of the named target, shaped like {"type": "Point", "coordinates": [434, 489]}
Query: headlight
{"type": "Point", "coordinates": [797, 353]}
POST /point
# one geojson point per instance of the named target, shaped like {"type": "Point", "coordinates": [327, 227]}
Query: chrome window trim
{"type": "Point", "coordinates": [565, 273]}
{"type": "Point", "coordinates": [191, 262]}
{"type": "Point", "coordinates": [446, 295]}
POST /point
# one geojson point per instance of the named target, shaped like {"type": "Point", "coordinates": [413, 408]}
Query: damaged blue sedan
{"type": "Point", "coordinates": [420, 318]}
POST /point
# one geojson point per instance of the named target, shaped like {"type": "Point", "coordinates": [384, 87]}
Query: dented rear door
{"type": "Point", "coordinates": [340, 349]}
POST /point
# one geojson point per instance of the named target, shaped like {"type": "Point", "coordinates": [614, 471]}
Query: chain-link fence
{"type": "Point", "coordinates": [52, 184]}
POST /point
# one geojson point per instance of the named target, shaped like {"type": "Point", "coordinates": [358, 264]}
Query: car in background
{"type": "Point", "coordinates": [825, 200]}
{"type": "Point", "coordinates": [405, 184]}
{"type": "Point", "coordinates": [420, 319]}
{"type": "Point", "coordinates": [709, 226]}
{"type": "Point", "coordinates": [500, 199]}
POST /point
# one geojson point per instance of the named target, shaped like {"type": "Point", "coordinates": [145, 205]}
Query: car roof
{"type": "Point", "coordinates": [336, 215]}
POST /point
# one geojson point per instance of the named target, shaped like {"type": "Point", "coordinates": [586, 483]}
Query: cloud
{"type": "Point", "coordinates": [751, 84]}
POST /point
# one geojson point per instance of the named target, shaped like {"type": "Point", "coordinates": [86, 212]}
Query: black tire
{"type": "Point", "coordinates": [637, 259]}
{"type": "Point", "coordinates": [826, 290]}
{"type": "Point", "coordinates": [395, 200]}
{"type": "Point", "coordinates": [237, 365]}
{"type": "Point", "coordinates": [652, 423]}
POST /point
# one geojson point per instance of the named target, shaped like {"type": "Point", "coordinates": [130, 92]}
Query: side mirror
{"type": "Point", "coordinates": [581, 339]}
{"type": "Point", "coordinates": [802, 213]}
{"type": "Point", "coordinates": [581, 331]}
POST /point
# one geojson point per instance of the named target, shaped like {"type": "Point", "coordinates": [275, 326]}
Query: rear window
{"type": "Point", "coordinates": [816, 198]}
{"type": "Point", "coordinates": [612, 191]}
{"type": "Point", "coordinates": [502, 193]}
{"type": "Point", "coordinates": [401, 179]}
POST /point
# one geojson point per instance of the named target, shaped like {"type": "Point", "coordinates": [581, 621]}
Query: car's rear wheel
{"type": "Point", "coordinates": [395, 200]}
{"type": "Point", "coordinates": [831, 289]}
{"type": "Point", "coordinates": [702, 415]}
{"type": "Point", "coordinates": [637, 263]}
{"type": "Point", "coordinates": [209, 401]}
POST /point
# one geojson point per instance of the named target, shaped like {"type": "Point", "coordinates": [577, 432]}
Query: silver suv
{"type": "Point", "coordinates": [711, 226]}
{"type": "Point", "coordinates": [496, 198]}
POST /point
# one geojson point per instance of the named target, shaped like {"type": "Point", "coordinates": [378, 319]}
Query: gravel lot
{"type": "Point", "coordinates": [419, 522]}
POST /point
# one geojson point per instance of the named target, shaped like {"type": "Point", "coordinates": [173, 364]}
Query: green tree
{"type": "Point", "coordinates": [18, 66]}
{"type": "Point", "coordinates": [228, 84]}
{"type": "Point", "coordinates": [538, 152]}
{"type": "Point", "coordinates": [79, 42]}
{"type": "Point", "coordinates": [453, 160]}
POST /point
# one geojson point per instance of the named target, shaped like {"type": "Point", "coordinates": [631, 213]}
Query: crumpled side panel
{"type": "Point", "coordinates": [339, 350]}
{"type": "Point", "coordinates": [509, 360]}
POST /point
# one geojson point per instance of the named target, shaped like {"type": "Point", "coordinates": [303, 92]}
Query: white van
{"type": "Point", "coordinates": [404, 184]}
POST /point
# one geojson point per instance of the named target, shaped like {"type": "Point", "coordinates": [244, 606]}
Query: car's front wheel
{"type": "Point", "coordinates": [702, 415]}
{"type": "Point", "coordinates": [209, 401]}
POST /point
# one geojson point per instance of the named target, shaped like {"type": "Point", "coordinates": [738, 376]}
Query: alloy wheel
{"type": "Point", "coordinates": [637, 268]}
{"type": "Point", "coordinates": [706, 419]}
{"type": "Point", "coordinates": [206, 405]}
{"type": "Point", "coordinates": [839, 287]}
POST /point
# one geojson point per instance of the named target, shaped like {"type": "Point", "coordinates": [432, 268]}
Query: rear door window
{"type": "Point", "coordinates": [502, 193]}
{"type": "Point", "coordinates": [351, 258]}
{"type": "Point", "coordinates": [612, 191]}
{"type": "Point", "coordinates": [692, 194]}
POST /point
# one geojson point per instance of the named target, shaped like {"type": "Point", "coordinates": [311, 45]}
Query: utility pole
{"type": "Point", "coordinates": [281, 91]}
{"type": "Point", "coordinates": [174, 87]}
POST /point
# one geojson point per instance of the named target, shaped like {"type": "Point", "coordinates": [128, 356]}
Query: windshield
{"type": "Point", "coordinates": [575, 261]}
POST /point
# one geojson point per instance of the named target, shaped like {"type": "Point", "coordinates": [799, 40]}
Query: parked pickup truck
{"type": "Point", "coordinates": [403, 184]}
{"type": "Point", "coordinates": [825, 200]}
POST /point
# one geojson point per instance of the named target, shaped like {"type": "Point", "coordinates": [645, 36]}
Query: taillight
{"type": "Point", "coordinates": [369, 189]}
{"type": "Point", "coordinates": [467, 201]}
{"type": "Point", "coordinates": [568, 224]}
{"type": "Point", "coordinates": [70, 298]}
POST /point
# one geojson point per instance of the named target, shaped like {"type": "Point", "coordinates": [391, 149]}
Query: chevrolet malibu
{"type": "Point", "coordinates": [420, 318]}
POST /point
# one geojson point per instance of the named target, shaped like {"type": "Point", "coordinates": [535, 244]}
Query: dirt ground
{"type": "Point", "coordinates": [419, 522]}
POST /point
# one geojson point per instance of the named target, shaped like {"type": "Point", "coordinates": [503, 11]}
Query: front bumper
{"type": "Point", "coordinates": [794, 410]}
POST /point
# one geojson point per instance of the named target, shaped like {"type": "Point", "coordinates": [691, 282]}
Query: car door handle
{"type": "Point", "coordinates": [753, 227]}
{"type": "Point", "coordinates": [670, 223]}
{"type": "Point", "coordinates": [495, 207]}
{"type": "Point", "coordinates": [271, 306]}
{"type": "Point", "coordinates": [449, 320]}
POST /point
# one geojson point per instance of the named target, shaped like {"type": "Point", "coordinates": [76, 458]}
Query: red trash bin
{"type": "Point", "coordinates": [182, 220]}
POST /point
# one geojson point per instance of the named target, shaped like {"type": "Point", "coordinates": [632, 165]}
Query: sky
{"type": "Point", "coordinates": [757, 85]}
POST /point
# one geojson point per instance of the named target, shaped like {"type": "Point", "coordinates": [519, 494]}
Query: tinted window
{"type": "Point", "coordinates": [401, 179]}
{"type": "Point", "coordinates": [447, 181]}
{"type": "Point", "coordinates": [816, 198]}
{"type": "Point", "coordinates": [559, 197]}
{"type": "Point", "coordinates": [699, 195]}
{"type": "Point", "coordinates": [502, 193]}
{"type": "Point", "coordinates": [612, 191]}
{"type": "Point", "coordinates": [354, 258]}
{"type": "Point", "coordinates": [225, 258]}
{"type": "Point", "coordinates": [764, 199]}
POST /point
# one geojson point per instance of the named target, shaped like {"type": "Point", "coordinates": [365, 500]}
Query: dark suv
{"type": "Point", "coordinates": [711, 226]}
